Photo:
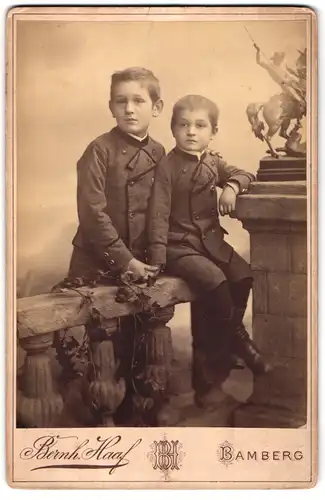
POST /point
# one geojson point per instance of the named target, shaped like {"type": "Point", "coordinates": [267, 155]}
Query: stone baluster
{"type": "Point", "coordinates": [159, 364]}
{"type": "Point", "coordinates": [103, 392]}
{"type": "Point", "coordinates": [38, 403]}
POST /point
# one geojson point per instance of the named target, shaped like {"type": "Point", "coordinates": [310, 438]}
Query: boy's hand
{"type": "Point", "coordinates": [227, 201]}
{"type": "Point", "coordinates": [140, 271]}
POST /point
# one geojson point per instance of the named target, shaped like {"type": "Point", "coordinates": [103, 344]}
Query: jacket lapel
{"type": "Point", "coordinates": [137, 157]}
{"type": "Point", "coordinates": [205, 174]}
{"type": "Point", "coordinates": [141, 163]}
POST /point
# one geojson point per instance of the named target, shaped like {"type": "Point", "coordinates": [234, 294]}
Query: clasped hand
{"type": "Point", "coordinates": [139, 271]}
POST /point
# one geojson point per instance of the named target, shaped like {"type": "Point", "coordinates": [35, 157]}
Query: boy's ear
{"type": "Point", "coordinates": [110, 107]}
{"type": "Point", "coordinates": [215, 130]}
{"type": "Point", "coordinates": [158, 107]}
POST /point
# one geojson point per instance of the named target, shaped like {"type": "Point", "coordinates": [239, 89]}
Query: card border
{"type": "Point", "coordinates": [13, 16]}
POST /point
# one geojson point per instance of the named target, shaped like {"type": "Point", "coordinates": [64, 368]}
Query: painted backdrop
{"type": "Point", "coordinates": [63, 79]}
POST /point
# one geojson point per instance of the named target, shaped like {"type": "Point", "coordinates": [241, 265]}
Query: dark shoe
{"type": "Point", "coordinates": [236, 363]}
{"type": "Point", "coordinates": [247, 350]}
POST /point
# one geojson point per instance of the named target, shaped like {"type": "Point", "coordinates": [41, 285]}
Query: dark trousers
{"type": "Point", "coordinates": [213, 318]}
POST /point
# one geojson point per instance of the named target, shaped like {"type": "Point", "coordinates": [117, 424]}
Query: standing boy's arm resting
{"type": "Point", "coordinates": [232, 175]}
{"type": "Point", "coordinates": [159, 212]}
{"type": "Point", "coordinates": [95, 224]}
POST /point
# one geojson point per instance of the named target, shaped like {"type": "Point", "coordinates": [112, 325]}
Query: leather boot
{"type": "Point", "coordinates": [245, 348]}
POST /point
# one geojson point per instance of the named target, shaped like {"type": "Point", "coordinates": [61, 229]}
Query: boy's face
{"type": "Point", "coordinates": [132, 107]}
{"type": "Point", "coordinates": [193, 130]}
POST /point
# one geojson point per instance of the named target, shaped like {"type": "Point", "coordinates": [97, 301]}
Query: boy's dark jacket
{"type": "Point", "coordinates": [183, 218]}
{"type": "Point", "coordinates": [115, 178]}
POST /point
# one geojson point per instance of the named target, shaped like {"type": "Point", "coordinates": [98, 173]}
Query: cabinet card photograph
{"type": "Point", "coordinates": [161, 247]}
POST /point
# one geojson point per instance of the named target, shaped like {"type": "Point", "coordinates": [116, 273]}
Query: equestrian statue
{"type": "Point", "coordinates": [283, 108]}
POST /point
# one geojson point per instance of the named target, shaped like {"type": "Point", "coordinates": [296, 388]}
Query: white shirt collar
{"type": "Point", "coordinates": [198, 154]}
{"type": "Point", "coordinates": [138, 138]}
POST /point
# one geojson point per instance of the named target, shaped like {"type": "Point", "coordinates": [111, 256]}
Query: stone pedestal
{"type": "Point", "coordinates": [275, 214]}
{"type": "Point", "coordinates": [284, 168]}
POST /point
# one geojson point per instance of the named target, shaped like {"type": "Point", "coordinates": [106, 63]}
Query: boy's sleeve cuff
{"type": "Point", "coordinates": [119, 258]}
{"type": "Point", "coordinates": [242, 181]}
{"type": "Point", "coordinates": [234, 185]}
{"type": "Point", "coordinates": [157, 255]}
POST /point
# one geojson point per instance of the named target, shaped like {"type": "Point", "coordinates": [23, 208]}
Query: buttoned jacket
{"type": "Point", "coordinates": [114, 181]}
{"type": "Point", "coordinates": [184, 216]}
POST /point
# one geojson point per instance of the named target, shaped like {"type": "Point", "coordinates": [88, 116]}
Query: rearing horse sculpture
{"type": "Point", "coordinates": [281, 108]}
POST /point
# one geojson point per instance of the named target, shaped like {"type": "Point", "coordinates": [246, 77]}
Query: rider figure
{"type": "Point", "coordinates": [291, 85]}
{"type": "Point", "coordinates": [287, 80]}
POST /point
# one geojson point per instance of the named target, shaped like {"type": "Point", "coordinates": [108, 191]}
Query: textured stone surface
{"type": "Point", "coordinates": [260, 292]}
{"type": "Point", "coordinates": [298, 250]}
{"type": "Point", "coordinates": [270, 252]}
{"type": "Point", "coordinates": [281, 335]}
{"type": "Point", "coordinates": [287, 294]}
{"type": "Point", "coordinates": [283, 187]}
{"type": "Point", "coordinates": [273, 334]}
{"type": "Point", "coordinates": [299, 337]}
{"type": "Point", "coordinates": [271, 207]}
{"type": "Point", "coordinates": [275, 216]}
{"type": "Point", "coordinates": [53, 311]}
{"type": "Point", "coordinates": [284, 388]}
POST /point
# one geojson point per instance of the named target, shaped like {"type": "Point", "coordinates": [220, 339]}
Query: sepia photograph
{"type": "Point", "coordinates": [161, 237]}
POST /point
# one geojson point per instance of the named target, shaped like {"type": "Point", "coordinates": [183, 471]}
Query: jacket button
{"type": "Point", "coordinates": [154, 152]}
{"type": "Point", "coordinates": [213, 211]}
{"type": "Point", "coordinates": [197, 217]}
{"type": "Point", "coordinates": [111, 262]}
{"type": "Point", "coordinates": [213, 230]}
{"type": "Point", "coordinates": [184, 170]}
{"type": "Point", "coordinates": [213, 162]}
{"type": "Point", "coordinates": [124, 151]}
{"type": "Point", "coordinates": [204, 237]}
{"type": "Point", "coordinates": [131, 183]}
{"type": "Point", "coordinates": [131, 215]}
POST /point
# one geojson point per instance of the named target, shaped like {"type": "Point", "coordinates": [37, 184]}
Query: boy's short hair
{"type": "Point", "coordinates": [192, 102]}
{"type": "Point", "coordinates": [138, 74]}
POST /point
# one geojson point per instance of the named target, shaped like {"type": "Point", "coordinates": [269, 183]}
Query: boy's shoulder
{"type": "Point", "coordinates": [168, 158]}
{"type": "Point", "coordinates": [104, 140]}
{"type": "Point", "coordinates": [155, 149]}
{"type": "Point", "coordinates": [156, 143]}
{"type": "Point", "coordinates": [101, 144]}
{"type": "Point", "coordinates": [213, 155]}
{"type": "Point", "coordinates": [171, 156]}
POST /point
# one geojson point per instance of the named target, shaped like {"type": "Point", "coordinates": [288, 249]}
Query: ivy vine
{"type": "Point", "coordinates": [75, 357]}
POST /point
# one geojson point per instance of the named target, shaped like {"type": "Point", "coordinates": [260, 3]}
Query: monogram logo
{"type": "Point", "coordinates": [225, 453]}
{"type": "Point", "coordinates": [166, 456]}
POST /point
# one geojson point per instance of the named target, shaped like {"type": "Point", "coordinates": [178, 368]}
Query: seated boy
{"type": "Point", "coordinates": [184, 228]}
